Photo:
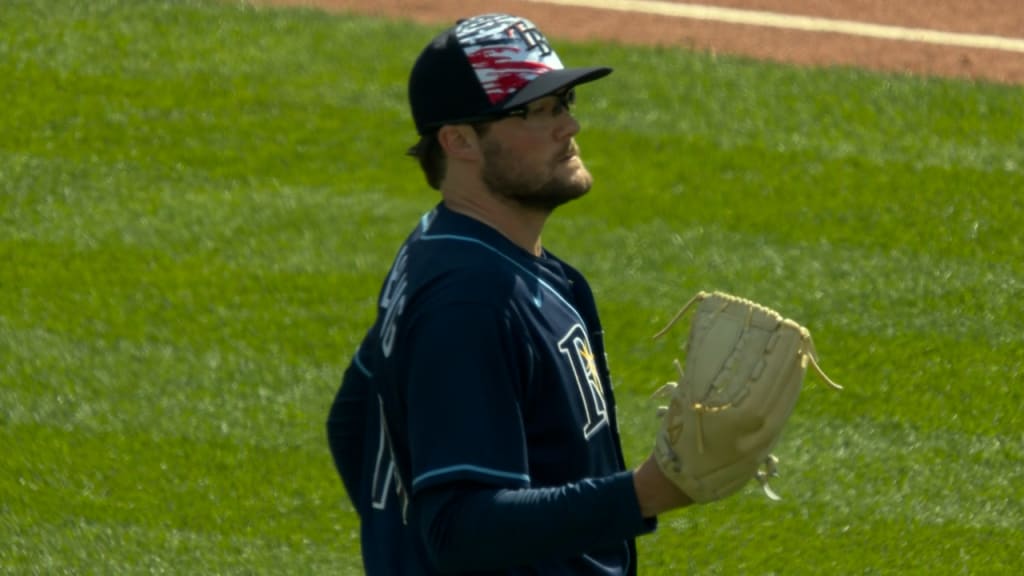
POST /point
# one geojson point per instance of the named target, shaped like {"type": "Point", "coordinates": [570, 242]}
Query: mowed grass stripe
{"type": "Point", "coordinates": [160, 303]}
{"type": "Point", "coordinates": [166, 391]}
{"type": "Point", "coordinates": [144, 293]}
{"type": "Point", "coordinates": [110, 476]}
{"type": "Point", "coordinates": [81, 502]}
{"type": "Point", "coordinates": [123, 503]}
{"type": "Point", "coordinates": [732, 547]}
{"type": "Point", "coordinates": [802, 196]}
{"type": "Point", "coordinates": [871, 291]}
{"type": "Point", "coordinates": [80, 546]}
{"type": "Point", "coordinates": [152, 387]}
{"type": "Point", "coordinates": [215, 484]}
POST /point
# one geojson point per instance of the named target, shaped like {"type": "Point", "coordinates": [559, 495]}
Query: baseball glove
{"type": "Point", "coordinates": [745, 366]}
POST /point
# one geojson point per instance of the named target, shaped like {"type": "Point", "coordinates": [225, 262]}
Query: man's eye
{"type": "Point", "coordinates": [539, 110]}
{"type": "Point", "coordinates": [564, 102]}
{"type": "Point", "coordinates": [558, 107]}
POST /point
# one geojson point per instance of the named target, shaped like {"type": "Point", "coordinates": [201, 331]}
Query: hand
{"type": "Point", "coordinates": [655, 492]}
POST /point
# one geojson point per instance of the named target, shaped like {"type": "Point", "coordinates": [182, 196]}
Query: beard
{"type": "Point", "coordinates": [540, 189]}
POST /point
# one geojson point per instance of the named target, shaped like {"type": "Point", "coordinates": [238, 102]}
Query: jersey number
{"type": "Point", "coordinates": [384, 473]}
{"type": "Point", "coordinates": [384, 469]}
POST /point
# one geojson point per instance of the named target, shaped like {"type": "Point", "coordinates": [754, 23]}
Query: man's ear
{"type": "Point", "coordinates": [460, 141]}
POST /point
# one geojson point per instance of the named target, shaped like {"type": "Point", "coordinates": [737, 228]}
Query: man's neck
{"type": "Point", "coordinates": [521, 225]}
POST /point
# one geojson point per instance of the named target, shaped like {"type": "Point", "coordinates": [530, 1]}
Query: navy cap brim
{"type": "Point", "coordinates": [553, 81]}
{"type": "Point", "coordinates": [541, 86]}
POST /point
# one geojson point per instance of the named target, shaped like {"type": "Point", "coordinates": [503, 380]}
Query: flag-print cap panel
{"type": "Point", "coordinates": [484, 66]}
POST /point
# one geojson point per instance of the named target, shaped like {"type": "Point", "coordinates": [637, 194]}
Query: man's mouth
{"type": "Point", "coordinates": [571, 153]}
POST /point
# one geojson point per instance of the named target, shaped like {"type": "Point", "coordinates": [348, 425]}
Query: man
{"type": "Point", "coordinates": [475, 428]}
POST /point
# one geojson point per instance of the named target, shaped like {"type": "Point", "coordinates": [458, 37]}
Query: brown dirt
{"type": "Point", "coordinates": [989, 17]}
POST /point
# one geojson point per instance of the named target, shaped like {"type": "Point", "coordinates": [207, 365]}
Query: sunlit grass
{"type": "Point", "coordinates": [198, 203]}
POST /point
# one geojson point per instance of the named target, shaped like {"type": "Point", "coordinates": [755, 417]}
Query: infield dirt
{"type": "Point", "coordinates": [1003, 18]}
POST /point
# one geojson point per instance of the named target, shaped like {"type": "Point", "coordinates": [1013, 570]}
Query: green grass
{"type": "Point", "coordinates": [198, 202]}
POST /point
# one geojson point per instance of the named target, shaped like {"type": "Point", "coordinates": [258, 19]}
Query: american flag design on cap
{"type": "Point", "coordinates": [506, 53]}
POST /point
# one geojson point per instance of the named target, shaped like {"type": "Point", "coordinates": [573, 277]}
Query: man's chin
{"type": "Point", "coordinates": [580, 182]}
{"type": "Point", "coordinates": [565, 192]}
{"type": "Point", "coordinates": [573, 173]}
{"type": "Point", "coordinates": [568, 182]}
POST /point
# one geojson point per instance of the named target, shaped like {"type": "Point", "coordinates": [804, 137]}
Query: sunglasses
{"type": "Point", "coordinates": [566, 99]}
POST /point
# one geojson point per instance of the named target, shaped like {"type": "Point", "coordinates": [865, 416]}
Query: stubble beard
{"type": "Point", "coordinates": [529, 189]}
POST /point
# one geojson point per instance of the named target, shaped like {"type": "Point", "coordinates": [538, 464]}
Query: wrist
{"type": "Point", "coordinates": [655, 493]}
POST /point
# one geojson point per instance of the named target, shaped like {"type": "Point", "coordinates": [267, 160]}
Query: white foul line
{"type": "Point", "coordinates": [794, 22]}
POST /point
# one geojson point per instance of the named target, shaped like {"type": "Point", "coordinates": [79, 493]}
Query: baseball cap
{"type": "Point", "coordinates": [484, 66]}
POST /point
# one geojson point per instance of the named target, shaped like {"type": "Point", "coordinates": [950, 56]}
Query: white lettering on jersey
{"type": "Point", "coordinates": [384, 468]}
{"type": "Point", "coordinates": [384, 472]}
{"type": "Point", "coordinates": [392, 301]}
{"type": "Point", "coordinates": [575, 347]}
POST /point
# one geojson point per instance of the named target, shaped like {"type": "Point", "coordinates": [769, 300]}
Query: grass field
{"type": "Point", "coordinates": [198, 203]}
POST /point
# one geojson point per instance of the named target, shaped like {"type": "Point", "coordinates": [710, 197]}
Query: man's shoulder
{"type": "Point", "coordinates": [460, 250]}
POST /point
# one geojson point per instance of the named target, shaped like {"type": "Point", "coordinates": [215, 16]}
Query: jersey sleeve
{"type": "Point", "coordinates": [466, 528]}
{"type": "Point", "coordinates": [346, 427]}
{"type": "Point", "coordinates": [463, 398]}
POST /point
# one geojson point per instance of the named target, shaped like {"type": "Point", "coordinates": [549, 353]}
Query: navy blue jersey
{"type": "Point", "coordinates": [485, 368]}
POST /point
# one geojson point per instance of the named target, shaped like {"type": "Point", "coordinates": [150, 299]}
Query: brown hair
{"type": "Point", "coordinates": [432, 158]}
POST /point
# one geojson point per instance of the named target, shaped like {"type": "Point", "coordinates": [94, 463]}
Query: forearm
{"type": "Point", "coordinates": [488, 529]}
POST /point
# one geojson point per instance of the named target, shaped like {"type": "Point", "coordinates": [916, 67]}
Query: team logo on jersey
{"type": "Point", "coordinates": [506, 53]}
{"type": "Point", "coordinates": [575, 347]}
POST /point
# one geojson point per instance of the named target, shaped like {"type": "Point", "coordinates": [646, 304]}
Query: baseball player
{"type": "Point", "coordinates": [474, 430]}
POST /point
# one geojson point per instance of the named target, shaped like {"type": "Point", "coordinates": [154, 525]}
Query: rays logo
{"type": "Point", "coordinates": [531, 37]}
{"type": "Point", "coordinates": [506, 53]}
{"type": "Point", "coordinates": [575, 347]}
